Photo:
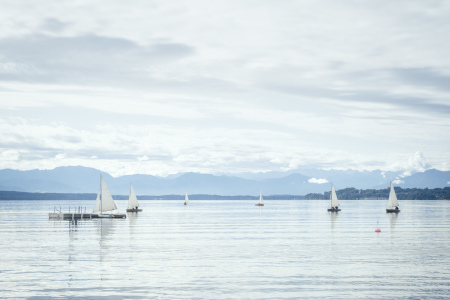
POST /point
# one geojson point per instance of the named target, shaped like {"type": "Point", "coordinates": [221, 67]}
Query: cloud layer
{"type": "Point", "coordinates": [228, 87]}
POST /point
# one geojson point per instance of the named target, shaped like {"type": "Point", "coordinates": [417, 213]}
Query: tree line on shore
{"type": "Point", "coordinates": [11, 195]}
{"type": "Point", "coordinates": [402, 194]}
{"type": "Point", "coordinates": [347, 194]}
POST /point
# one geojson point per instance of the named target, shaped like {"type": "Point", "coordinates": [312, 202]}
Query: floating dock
{"type": "Point", "coordinates": [71, 216]}
{"type": "Point", "coordinates": [74, 213]}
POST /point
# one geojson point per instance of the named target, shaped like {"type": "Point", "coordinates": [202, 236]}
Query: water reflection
{"type": "Point", "coordinates": [73, 237]}
{"type": "Point", "coordinates": [132, 218]}
{"type": "Point", "coordinates": [334, 217]}
{"type": "Point", "coordinates": [73, 230]}
{"type": "Point", "coordinates": [73, 225]}
{"type": "Point", "coordinates": [392, 220]}
{"type": "Point", "coordinates": [105, 230]}
{"type": "Point", "coordinates": [298, 252]}
{"type": "Point", "coordinates": [105, 227]}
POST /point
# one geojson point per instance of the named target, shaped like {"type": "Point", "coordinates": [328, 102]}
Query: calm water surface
{"type": "Point", "coordinates": [227, 250]}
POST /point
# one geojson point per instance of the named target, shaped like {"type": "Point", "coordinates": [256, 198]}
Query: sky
{"type": "Point", "coordinates": [225, 87]}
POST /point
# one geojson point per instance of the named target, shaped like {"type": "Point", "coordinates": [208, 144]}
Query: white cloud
{"type": "Point", "coordinates": [10, 155]}
{"type": "Point", "coordinates": [61, 156]}
{"type": "Point", "coordinates": [397, 181]}
{"type": "Point", "coordinates": [179, 99]}
{"type": "Point", "coordinates": [415, 163]}
{"type": "Point", "coordinates": [319, 180]}
{"type": "Point", "coordinates": [406, 174]}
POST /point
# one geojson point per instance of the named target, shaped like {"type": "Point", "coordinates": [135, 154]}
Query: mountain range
{"type": "Point", "coordinates": [76, 179]}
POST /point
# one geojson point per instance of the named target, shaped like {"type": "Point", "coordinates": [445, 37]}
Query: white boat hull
{"type": "Point", "coordinates": [109, 216]}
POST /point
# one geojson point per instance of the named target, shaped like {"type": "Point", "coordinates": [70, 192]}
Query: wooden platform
{"type": "Point", "coordinates": [80, 216]}
{"type": "Point", "coordinates": [71, 216]}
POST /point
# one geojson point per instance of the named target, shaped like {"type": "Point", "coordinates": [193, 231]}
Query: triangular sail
{"type": "Point", "coordinates": [97, 202]}
{"type": "Point", "coordinates": [333, 197]}
{"type": "Point", "coordinates": [107, 201]}
{"type": "Point", "coordinates": [132, 199]}
{"type": "Point", "coordinates": [261, 199]}
{"type": "Point", "coordinates": [393, 202]}
{"type": "Point", "coordinates": [186, 199]}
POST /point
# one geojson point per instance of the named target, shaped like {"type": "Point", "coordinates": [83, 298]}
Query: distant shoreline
{"type": "Point", "coordinates": [345, 194]}
{"type": "Point", "coordinates": [13, 195]}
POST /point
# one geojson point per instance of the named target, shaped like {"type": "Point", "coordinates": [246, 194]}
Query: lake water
{"type": "Point", "coordinates": [227, 250]}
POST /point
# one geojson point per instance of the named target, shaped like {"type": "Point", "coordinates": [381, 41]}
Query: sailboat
{"type": "Point", "coordinates": [393, 202]}
{"type": "Point", "coordinates": [186, 199]}
{"type": "Point", "coordinates": [334, 203]}
{"type": "Point", "coordinates": [261, 202]}
{"type": "Point", "coordinates": [104, 204]}
{"type": "Point", "coordinates": [133, 204]}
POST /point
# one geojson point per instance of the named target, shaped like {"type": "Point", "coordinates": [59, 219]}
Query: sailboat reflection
{"type": "Point", "coordinates": [105, 230]}
{"type": "Point", "coordinates": [132, 218]}
{"type": "Point", "coordinates": [105, 227]}
{"type": "Point", "coordinates": [334, 218]}
{"type": "Point", "coordinates": [392, 220]}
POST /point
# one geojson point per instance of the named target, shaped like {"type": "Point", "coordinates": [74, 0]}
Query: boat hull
{"type": "Point", "coordinates": [110, 216]}
{"type": "Point", "coordinates": [334, 209]}
{"type": "Point", "coordinates": [259, 204]}
{"type": "Point", "coordinates": [134, 209]}
{"type": "Point", "coordinates": [390, 210]}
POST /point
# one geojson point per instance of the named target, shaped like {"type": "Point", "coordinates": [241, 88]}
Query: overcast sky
{"type": "Point", "coordinates": [161, 87]}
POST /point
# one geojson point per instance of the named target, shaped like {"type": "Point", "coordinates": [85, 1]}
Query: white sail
{"type": "Point", "coordinates": [132, 199]}
{"type": "Point", "coordinates": [108, 203]}
{"type": "Point", "coordinates": [333, 197]}
{"type": "Point", "coordinates": [186, 199]}
{"type": "Point", "coordinates": [393, 202]}
{"type": "Point", "coordinates": [97, 202]}
{"type": "Point", "coordinates": [261, 199]}
{"type": "Point", "coordinates": [104, 199]}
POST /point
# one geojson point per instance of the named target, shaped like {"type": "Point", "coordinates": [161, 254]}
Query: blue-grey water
{"type": "Point", "coordinates": [227, 250]}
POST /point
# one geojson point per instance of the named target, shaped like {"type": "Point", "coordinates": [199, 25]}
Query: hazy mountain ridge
{"type": "Point", "coordinates": [86, 180]}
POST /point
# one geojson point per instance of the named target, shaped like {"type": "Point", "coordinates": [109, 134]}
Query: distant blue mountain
{"type": "Point", "coordinates": [429, 179]}
{"type": "Point", "coordinates": [86, 180]}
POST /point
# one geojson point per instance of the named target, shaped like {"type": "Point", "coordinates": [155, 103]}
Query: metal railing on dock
{"type": "Point", "coordinates": [73, 213]}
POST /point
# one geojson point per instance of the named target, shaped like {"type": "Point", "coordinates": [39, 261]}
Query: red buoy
{"type": "Point", "coordinates": [378, 229]}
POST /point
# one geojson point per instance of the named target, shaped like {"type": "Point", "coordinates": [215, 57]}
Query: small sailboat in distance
{"type": "Point", "coordinates": [133, 204]}
{"type": "Point", "coordinates": [334, 203]}
{"type": "Point", "coordinates": [393, 202]}
{"type": "Point", "coordinates": [186, 199]}
{"type": "Point", "coordinates": [261, 202]}
{"type": "Point", "coordinates": [105, 206]}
